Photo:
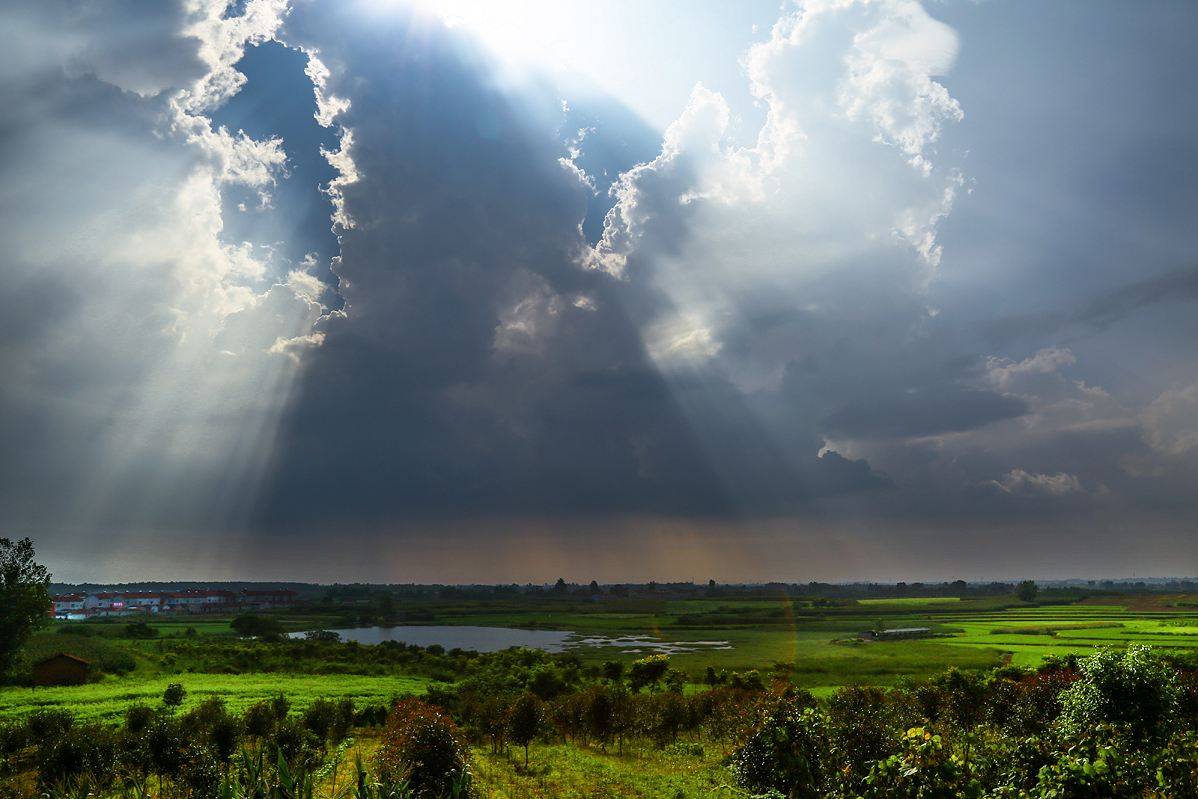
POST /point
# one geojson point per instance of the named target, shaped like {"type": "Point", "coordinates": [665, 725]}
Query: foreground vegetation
{"type": "Point", "coordinates": [1115, 724]}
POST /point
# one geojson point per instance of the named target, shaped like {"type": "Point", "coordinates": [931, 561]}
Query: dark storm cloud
{"type": "Point", "coordinates": [1104, 310]}
{"type": "Point", "coordinates": [923, 412]}
{"type": "Point", "coordinates": [1180, 285]}
{"type": "Point", "coordinates": [479, 368]}
{"type": "Point", "coordinates": [792, 332]}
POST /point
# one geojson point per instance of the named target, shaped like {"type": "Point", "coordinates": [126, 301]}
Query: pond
{"type": "Point", "coordinates": [480, 639]}
{"type": "Point", "coordinates": [494, 639]}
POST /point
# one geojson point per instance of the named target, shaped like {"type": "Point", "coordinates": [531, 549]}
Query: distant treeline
{"type": "Point", "coordinates": [349, 593]}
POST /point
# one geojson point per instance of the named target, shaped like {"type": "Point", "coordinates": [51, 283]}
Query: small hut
{"type": "Point", "coordinates": [61, 669]}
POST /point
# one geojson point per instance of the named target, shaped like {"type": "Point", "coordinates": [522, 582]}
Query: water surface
{"type": "Point", "coordinates": [494, 639]}
{"type": "Point", "coordinates": [480, 639]}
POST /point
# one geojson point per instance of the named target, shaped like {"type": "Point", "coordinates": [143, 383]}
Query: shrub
{"type": "Point", "coordinates": [318, 718]}
{"type": "Point", "coordinates": [924, 768]}
{"type": "Point", "coordinates": [211, 724]}
{"type": "Point", "coordinates": [200, 773]}
{"type": "Point", "coordinates": [173, 695]}
{"type": "Point", "coordinates": [343, 721]}
{"type": "Point", "coordinates": [13, 738]}
{"type": "Point", "coordinates": [296, 744]}
{"type": "Point", "coordinates": [749, 681]}
{"type": "Point", "coordinates": [599, 707]}
{"type": "Point", "coordinates": [259, 719]}
{"type": "Point", "coordinates": [785, 753]}
{"type": "Point", "coordinates": [253, 626]}
{"type": "Point", "coordinates": [1177, 766]}
{"type": "Point", "coordinates": [1132, 690]}
{"type": "Point", "coordinates": [648, 671]}
{"type": "Point", "coordinates": [139, 629]}
{"type": "Point", "coordinates": [663, 716]}
{"type": "Point", "coordinates": [546, 682]}
{"type": "Point", "coordinates": [1100, 763]}
{"type": "Point", "coordinates": [45, 726]}
{"type": "Point", "coordinates": [861, 730]}
{"type": "Point", "coordinates": [280, 706]}
{"type": "Point", "coordinates": [164, 740]}
{"type": "Point", "coordinates": [84, 756]}
{"type": "Point", "coordinates": [424, 749]}
{"type": "Point", "coordinates": [137, 718]}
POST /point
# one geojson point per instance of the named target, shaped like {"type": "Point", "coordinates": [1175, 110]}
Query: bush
{"type": "Point", "coordinates": [13, 738]}
{"type": "Point", "coordinates": [1101, 763]}
{"type": "Point", "coordinates": [83, 756]}
{"type": "Point", "coordinates": [785, 753]}
{"type": "Point", "coordinates": [45, 726]}
{"type": "Point", "coordinates": [211, 725]}
{"type": "Point", "coordinates": [861, 730]}
{"type": "Point", "coordinates": [173, 695]}
{"type": "Point", "coordinates": [423, 749]}
{"type": "Point", "coordinates": [139, 629]}
{"type": "Point", "coordinates": [648, 671]}
{"type": "Point", "coordinates": [253, 626]}
{"type": "Point", "coordinates": [329, 720]}
{"type": "Point", "coordinates": [137, 718]}
{"type": "Point", "coordinates": [259, 719]}
{"type": "Point", "coordinates": [163, 740]}
{"type": "Point", "coordinates": [200, 773]}
{"type": "Point", "coordinates": [924, 768]}
{"type": "Point", "coordinates": [1132, 690]}
{"type": "Point", "coordinates": [296, 744]}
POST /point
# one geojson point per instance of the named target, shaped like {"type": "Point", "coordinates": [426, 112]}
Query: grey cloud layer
{"type": "Point", "coordinates": [795, 327]}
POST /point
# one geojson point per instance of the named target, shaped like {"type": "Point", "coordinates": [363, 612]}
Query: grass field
{"type": "Point", "coordinates": [108, 699]}
{"type": "Point", "coordinates": [818, 646]}
{"type": "Point", "coordinates": [571, 772]}
{"type": "Point", "coordinates": [908, 601]}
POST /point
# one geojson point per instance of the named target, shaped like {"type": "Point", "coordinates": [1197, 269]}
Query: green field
{"type": "Point", "coordinates": [816, 648]}
{"type": "Point", "coordinates": [910, 600]}
{"type": "Point", "coordinates": [571, 772]}
{"type": "Point", "coordinates": [108, 699]}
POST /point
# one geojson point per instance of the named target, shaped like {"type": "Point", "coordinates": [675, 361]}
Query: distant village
{"type": "Point", "coordinates": [76, 607]}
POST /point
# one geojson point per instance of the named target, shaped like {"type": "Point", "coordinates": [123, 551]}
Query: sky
{"type": "Point", "coordinates": [417, 291]}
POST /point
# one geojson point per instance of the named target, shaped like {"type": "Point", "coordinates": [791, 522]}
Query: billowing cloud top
{"type": "Point", "coordinates": [339, 281]}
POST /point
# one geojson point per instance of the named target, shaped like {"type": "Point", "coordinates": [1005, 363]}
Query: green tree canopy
{"type": "Point", "coordinates": [24, 597]}
{"type": "Point", "coordinates": [1027, 591]}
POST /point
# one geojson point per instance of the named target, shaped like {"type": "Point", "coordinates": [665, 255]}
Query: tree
{"type": "Point", "coordinates": [525, 720]}
{"type": "Point", "coordinates": [256, 626]}
{"type": "Point", "coordinates": [560, 586]}
{"type": "Point", "coordinates": [786, 754]}
{"type": "Point", "coordinates": [423, 748]}
{"type": "Point", "coordinates": [648, 671]}
{"type": "Point", "coordinates": [1027, 591]}
{"type": "Point", "coordinates": [600, 711]}
{"type": "Point", "coordinates": [387, 611]}
{"type": "Point", "coordinates": [594, 588]}
{"type": "Point", "coordinates": [24, 597]}
{"type": "Point", "coordinates": [173, 695]}
{"type": "Point", "coordinates": [1134, 691]}
{"type": "Point", "coordinates": [139, 629]}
